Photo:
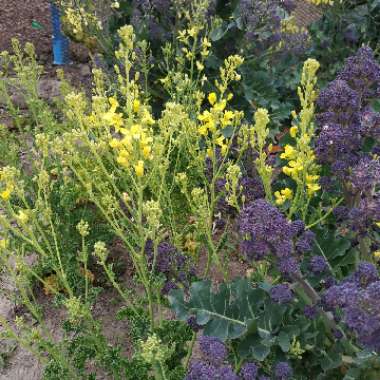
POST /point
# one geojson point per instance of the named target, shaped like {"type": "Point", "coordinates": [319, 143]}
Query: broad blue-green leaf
{"type": "Point", "coordinates": [227, 314]}
{"type": "Point", "coordinates": [284, 341]}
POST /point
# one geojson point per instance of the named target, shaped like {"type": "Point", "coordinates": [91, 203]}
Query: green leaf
{"type": "Point", "coordinates": [283, 340]}
{"type": "Point", "coordinates": [226, 314]}
{"type": "Point", "coordinates": [259, 350]}
{"type": "Point", "coordinates": [36, 25]}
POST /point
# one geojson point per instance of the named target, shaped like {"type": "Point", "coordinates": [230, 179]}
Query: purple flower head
{"type": "Point", "coordinates": [366, 174]}
{"type": "Point", "coordinates": [329, 282]}
{"type": "Point", "coordinates": [201, 371]}
{"type": "Point", "coordinates": [283, 371]}
{"type": "Point", "coordinates": [298, 226]}
{"type": "Point", "coordinates": [365, 274]}
{"type": "Point", "coordinates": [281, 293]}
{"type": "Point", "coordinates": [311, 312]}
{"type": "Point", "coordinates": [362, 72]}
{"type": "Point", "coordinates": [289, 5]}
{"type": "Point", "coordinates": [265, 231]}
{"type": "Point", "coordinates": [339, 102]}
{"type": "Point", "coordinates": [305, 242]}
{"type": "Point", "coordinates": [249, 371]}
{"type": "Point", "coordinates": [318, 264]}
{"type": "Point", "coordinates": [226, 373]}
{"type": "Point", "coordinates": [338, 334]}
{"type": "Point", "coordinates": [213, 349]}
{"type": "Point", "coordinates": [168, 286]}
{"type": "Point", "coordinates": [341, 213]}
{"type": "Point", "coordinates": [288, 266]}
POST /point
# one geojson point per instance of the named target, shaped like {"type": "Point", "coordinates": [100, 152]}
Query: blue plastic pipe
{"type": "Point", "coordinates": [60, 42]}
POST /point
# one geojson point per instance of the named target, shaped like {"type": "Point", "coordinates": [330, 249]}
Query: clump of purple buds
{"type": "Point", "coordinates": [171, 264]}
{"type": "Point", "coordinates": [249, 371]}
{"type": "Point", "coordinates": [265, 230]}
{"type": "Point", "coordinates": [358, 298]}
{"type": "Point", "coordinates": [213, 364]}
{"type": "Point", "coordinates": [281, 293]}
{"type": "Point", "coordinates": [318, 264]}
{"type": "Point", "coordinates": [283, 371]}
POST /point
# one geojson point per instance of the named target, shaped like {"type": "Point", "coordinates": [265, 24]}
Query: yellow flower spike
{"type": "Point", "coordinates": [136, 106]}
{"type": "Point", "coordinates": [139, 168]}
{"type": "Point", "coordinates": [376, 255]}
{"type": "Point", "coordinates": [212, 98]}
{"type": "Point", "coordinates": [293, 131]}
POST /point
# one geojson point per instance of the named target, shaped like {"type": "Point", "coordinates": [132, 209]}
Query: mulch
{"type": "Point", "coordinates": [16, 21]}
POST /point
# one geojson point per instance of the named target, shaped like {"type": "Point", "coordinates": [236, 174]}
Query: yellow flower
{"type": "Point", "coordinates": [200, 66]}
{"type": "Point", "coordinates": [147, 118]}
{"type": "Point", "coordinates": [136, 106]}
{"type": "Point", "coordinates": [114, 104]}
{"type": "Point", "coordinates": [293, 131]}
{"type": "Point", "coordinates": [312, 178]}
{"type": "Point", "coordinates": [122, 160]}
{"type": "Point", "coordinates": [283, 195]}
{"type": "Point", "coordinates": [220, 106]}
{"type": "Point", "coordinates": [220, 141]}
{"type": "Point", "coordinates": [114, 143]}
{"type": "Point", "coordinates": [6, 194]}
{"type": "Point", "coordinates": [139, 169]}
{"type": "Point", "coordinates": [312, 188]}
{"type": "Point", "coordinates": [227, 118]}
{"type": "Point", "coordinates": [23, 217]}
{"type": "Point", "coordinates": [376, 255]}
{"type": "Point", "coordinates": [289, 154]}
{"type": "Point", "coordinates": [3, 243]}
{"type": "Point", "coordinates": [210, 153]}
{"type": "Point", "coordinates": [212, 98]}
{"type": "Point", "coordinates": [202, 130]}
{"type": "Point", "coordinates": [146, 151]}
{"type": "Point", "coordinates": [136, 131]}
{"type": "Point", "coordinates": [378, 224]}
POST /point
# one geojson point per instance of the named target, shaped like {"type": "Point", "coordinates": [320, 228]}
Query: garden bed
{"type": "Point", "coordinates": [196, 196]}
